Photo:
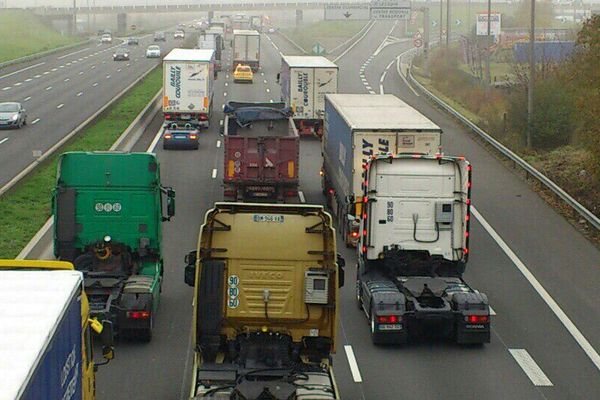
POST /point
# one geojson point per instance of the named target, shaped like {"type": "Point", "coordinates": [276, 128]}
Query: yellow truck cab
{"type": "Point", "coordinates": [266, 281]}
{"type": "Point", "coordinates": [47, 328]}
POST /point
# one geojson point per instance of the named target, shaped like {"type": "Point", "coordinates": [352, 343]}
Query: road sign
{"type": "Point", "coordinates": [418, 42]}
{"type": "Point", "coordinates": [318, 49]}
{"type": "Point", "coordinates": [347, 11]}
{"type": "Point", "coordinates": [390, 9]}
{"type": "Point", "coordinates": [458, 22]}
{"type": "Point", "coordinates": [495, 25]}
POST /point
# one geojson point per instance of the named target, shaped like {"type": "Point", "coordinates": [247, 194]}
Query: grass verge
{"type": "Point", "coordinates": [24, 34]}
{"type": "Point", "coordinates": [329, 34]}
{"type": "Point", "coordinates": [27, 207]}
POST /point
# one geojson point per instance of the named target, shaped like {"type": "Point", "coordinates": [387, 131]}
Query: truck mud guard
{"type": "Point", "coordinates": [210, 307]}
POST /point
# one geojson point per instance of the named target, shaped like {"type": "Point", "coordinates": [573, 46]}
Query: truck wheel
{"type": "Point", "coordinates": [358, 297]}
{"type": "Point", "coordinates": [376, 337]}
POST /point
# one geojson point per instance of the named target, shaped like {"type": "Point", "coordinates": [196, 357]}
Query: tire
{"type": "Point", "coordinates": [24, 121]}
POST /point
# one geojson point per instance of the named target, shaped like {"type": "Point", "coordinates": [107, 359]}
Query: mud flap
{"type": "Point", "coordinates": [210, 308]}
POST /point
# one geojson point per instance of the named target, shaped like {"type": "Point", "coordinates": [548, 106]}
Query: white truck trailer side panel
{"type": "Point", "coordinates": [301, 92]}
{"type": "Point", "coordinates": [326, 82]}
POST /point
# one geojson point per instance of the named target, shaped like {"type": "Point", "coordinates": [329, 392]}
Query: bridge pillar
{"type": "Point", "coordinates": [299, 17]}
{"type": "Point", "coordinates": [211, 15]}
{"type": "Point", "coordinates": [121, 23]}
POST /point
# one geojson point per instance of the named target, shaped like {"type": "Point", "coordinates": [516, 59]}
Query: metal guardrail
{"type": "Point", "coordinates": [543, 179]}
{"type": "Point", "coordinates": [42, 54]}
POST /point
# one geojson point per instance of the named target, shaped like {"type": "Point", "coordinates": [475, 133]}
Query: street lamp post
{"type": "Point", "coordinates": [531, 75]}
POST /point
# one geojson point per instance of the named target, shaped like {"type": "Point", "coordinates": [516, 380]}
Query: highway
{"type": "Point", "coordinates": [539, 273]}
{"type": "Point", "coordinates": [62, 90]}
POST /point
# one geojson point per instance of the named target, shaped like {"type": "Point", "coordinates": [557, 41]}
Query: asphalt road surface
{"type": "Point", "coordinates": [62, 90]}
{"type": "Point", "coordinates": [536, 352]}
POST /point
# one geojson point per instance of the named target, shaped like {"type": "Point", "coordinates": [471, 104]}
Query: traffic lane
{"type": "Point", "coordinates": [166, 362]}
{"type": "Point", "coordinates": [64, 107]}
{"type": "Point", "coordinates": [432, 369]}
{"type": "Point", "coordinates": [530, 227]}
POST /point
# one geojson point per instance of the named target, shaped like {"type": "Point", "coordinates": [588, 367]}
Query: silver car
{"type": "Point", "coordinates": [153, 51]}
{"type": "Point", "coordinates": [12, 115]}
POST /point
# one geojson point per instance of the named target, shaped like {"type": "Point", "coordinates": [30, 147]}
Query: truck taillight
{"type": "Point", "coordinates": [167, 117]}
{"type": "Point", "coordinates": [203, 117]}
{"type": "Point", "coordinates": [168, 136]}
{"type": "Point", "coordinates": [354, 234]}
{"type": "Point", "coordinates": [477, 319]}
{"type": "Point", "coordinates": [138, 314]}
{"type": "Point", "coordinates": [193, 136]}
{"type": "Point", "coordinates": [291, 193]}
{"type": "Point", "coordinates": [388, 319]}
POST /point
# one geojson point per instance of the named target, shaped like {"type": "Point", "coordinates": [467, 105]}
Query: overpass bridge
{"type": "Point", "coordinates": [169, 7]}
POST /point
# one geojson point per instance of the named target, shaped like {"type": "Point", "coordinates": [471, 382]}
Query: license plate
{"type": "Point", "coordinates": [390, 327]}
{"type": "Point", "coordinates": [260, 194]}
{"type": "Point", "coordinates": [180, 137]}
{"type": "Point", "coordinates": [186, 117]}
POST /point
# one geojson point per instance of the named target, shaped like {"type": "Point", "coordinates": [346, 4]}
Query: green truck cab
{"type": "Point", "coordinates": [108, 214]}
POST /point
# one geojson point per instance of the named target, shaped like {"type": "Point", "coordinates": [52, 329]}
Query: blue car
{"type": "Point", "coordinates": [180, 139]}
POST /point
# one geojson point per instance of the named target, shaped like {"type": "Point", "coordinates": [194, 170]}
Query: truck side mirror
{"type": "Point", "coordinates": [190, 268]}
{"type": "Point", "coordinates": [278, 76]}
{"type": "Point", "coordinates": [351, 217]}
{"type": "Point", "coordinates": [341, 263]}
{"type": "Point", "coordinates": [170, 203]}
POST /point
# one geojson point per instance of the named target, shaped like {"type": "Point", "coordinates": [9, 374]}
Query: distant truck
{"type": "Point", "coordinates": [256, 23]}
{"type": "Point", "coordinates": [246, 48]}
{"type": "Point", "coordinates": [262, 150]}
{"type": "Point", "coordinates": [266, 281]}
{"type": "Point", "coordinates": [305, 80]}
{"type": "Point", "coordinates": [188, 86]}
{"type": "Point", "coordinates": [356, 127]}
{"type": "Point", "coordinates": [108, 214]}
{"type": "Point", "coordinates": [46, 337]}
{"type": "Point", "coordinates": [212, 39]}
{"type": "Point", "coordinates": [413, 250]}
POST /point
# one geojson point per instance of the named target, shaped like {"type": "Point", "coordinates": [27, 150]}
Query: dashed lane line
{"type": "Point", "coordinates": [530, 367]}
{"type": "Point", "coordinates": [353, 364]}
{"type": "Point", "coordinates": [21, 70]}
{"type": "Point", "coordinates": [3, 140]}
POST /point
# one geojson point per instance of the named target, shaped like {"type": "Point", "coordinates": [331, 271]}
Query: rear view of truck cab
{"type": "Point", "coordinates": [414, 248]}
{"type": "Point", "coordinates": [108, 214]}
{"type": "Point", "coordinates": [266, 281]}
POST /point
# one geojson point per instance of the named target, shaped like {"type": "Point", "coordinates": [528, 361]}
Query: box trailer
{"type": "Point", "coordinates": [246, 48]}
{"type": "Point", "coordinates": [357, 126]}
{"type": "Point", "coordinates": [262, 150]}
{"type": "Point", "coordinates": [188, 85]}
{"type": "Point", "coordinates": [305, 80]}
{"type": "Point", "coordinates": [212, 40]}
{"type": "Point", "coordinates": [46, 338]}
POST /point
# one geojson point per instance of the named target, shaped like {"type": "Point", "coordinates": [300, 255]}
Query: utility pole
{"type": "Point", "coordinates": [531, 75]}
{"type": "Point", "coordinates": [74, 17]}
{"type": "Point", "coordinates": [488, 73]}
{"type": "Point", "coordinates": [441, 19]}
{"type": "Point", "coordinates": [425, 31]}
{"type": "Point", "coordinates": [447, 23]}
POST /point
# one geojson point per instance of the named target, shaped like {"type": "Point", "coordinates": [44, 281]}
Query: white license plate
{"type": "Point", "coordinates": [390, 327]}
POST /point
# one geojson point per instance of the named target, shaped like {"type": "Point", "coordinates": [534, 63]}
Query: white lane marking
{"type": "Point", "coordinates": [226, 76]}
{"type": "Point", "coordinates": [107, 76]}
{"type": "Point", "coordinates": [530, 367]}
{"type": "Point", "coordinates": [119, 70]}
{"type": "Point", "coordinates": [372, 91]}
{"type": "Point", "coordinates": [271, 100]}
{"type": "Point", "coordinates": [54, 69]}
{"type": "Point", "coordinates": [6, 88]}
{"type": "Point", "coordinates": [492, 312]}
{"type": "Point", "coordinates": [301, 196]}
{"type": "Point", "coordinates": [49, 88]}
{"type": "Point", "coordinates": [127, 65]}
{"type": "Point", "coordinates": [79, 94]}
{"type": "Point", "coordinates": [262, 74]}
{"type": "Point", "coordinates": [214, 173]}
{"type": "Point", "coordinates": [104, 62]}
{"type": "Point", "coordinates": [265, 81]}
{"type": "Point", "coordinates": [3, 140]}
{"type": "Point", "coordinates": [225, 94]}
{"type": "Point", "coordinates": [46, 73]}
{"type": "Point", "coordinates": [18, 83]}
{"type": "Point", "coordinates": [35, 121]}
{"type": "Point", "coordinates": [353, 364]}
{"type": "Point", "coordinates": [218, 143]}
{"type": "Point", "coordinates": [61, 105]}
{"type": "Point", "coordinates": [70, 54]}
{"type": "Point", "coordinates": [93, 67]}
{"type": "Point", "coordinates": [81, 59]}
{"type": "Point", "coordinates": [21, 70]}
{"type": "Point", "coordinates": [61, 66]}
{"type": "Point", "coordinates": [28, 80]}
{"type": "Point", "coordinates": [74, 62]}
{"type": "Point", "coordinates": [268, 90]}
{"type": "Point", "coordinates": [552, 304]}
{"type": "Point", "coordinates": [67, 79]}
{"type": "Point", "coordinates": [68, 64]}
{"type": "Point", "coordinates": [37, 76]}
{"type": "Point", "coordinates": [226, 84]}
{"type": "Point", "coordinates": [95, 84]}
{"type": "Point", "coordinates": [154, 142]}
{"type": "Point", "coordinates": [27, 98]}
